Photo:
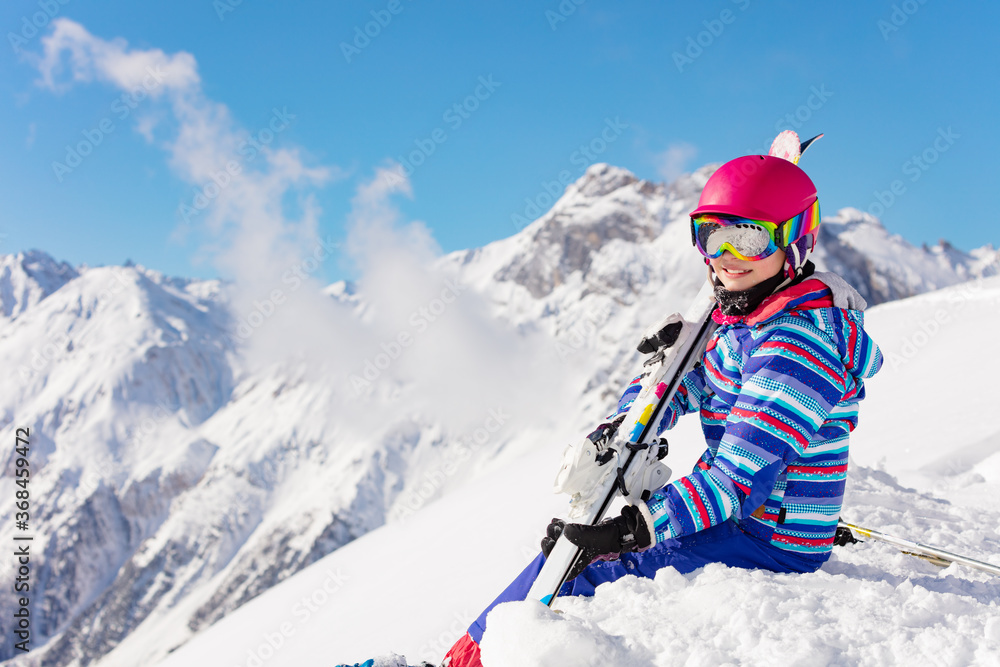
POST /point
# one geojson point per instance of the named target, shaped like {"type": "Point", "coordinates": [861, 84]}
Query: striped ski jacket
{"type": "Point", "coordinates": [778, 395]}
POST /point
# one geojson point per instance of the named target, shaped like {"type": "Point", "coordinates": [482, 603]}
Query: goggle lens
{"type": "Point", "coordinates": [749, 239]}
{"type": "Point", "coordinates": [744, 238]}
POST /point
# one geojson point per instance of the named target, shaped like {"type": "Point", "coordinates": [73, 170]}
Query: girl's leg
{"type": "Point", "coordinates": [724, 543]}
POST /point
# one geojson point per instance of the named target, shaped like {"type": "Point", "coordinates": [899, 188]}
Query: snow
{"type": "Point", "coordinates": [869, 605]}
{"type": "Point", "coordinates": [721, 616]}
{"type": "Point", "coordinates": [413, 586]}
{"type": "Point", "coordinates": [943, 373]}
{"type": "Point", "coordinates": [532, 634]}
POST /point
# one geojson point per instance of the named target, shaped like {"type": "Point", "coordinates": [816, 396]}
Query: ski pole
{"type": "Point", "coordinates": [931, 554]}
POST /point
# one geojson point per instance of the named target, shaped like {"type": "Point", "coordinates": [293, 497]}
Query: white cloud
{"type": "Point", "coordinates": [673, 162]}
{"type": "Point", "coordinates": [458, 362]}
{"type": "Point", "coordinates": [253, 241]}
{"type": "Point", "coordinates": [110, 61]}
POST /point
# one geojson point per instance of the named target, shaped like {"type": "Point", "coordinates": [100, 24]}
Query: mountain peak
{"type": "Point", "coordinates": [601, 179]}
{"type": "Point", "coordinates": [853, 217]}
{"type": "Point", "coordinates": [605, 204]}
{"type": "Point", "coordinates": [28, 277]}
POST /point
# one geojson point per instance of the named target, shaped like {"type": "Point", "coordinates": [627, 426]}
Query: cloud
{"type": "Point", "coordinates": [430, 337]}
{"type": "Point", "coordinates": [428, 343]}
{"type": "Point", "coordinates": [110, 61]}
{"type": "Point", "coordinates": [254, 242]}
{"type": "Point", "coordinates": [673, 162]}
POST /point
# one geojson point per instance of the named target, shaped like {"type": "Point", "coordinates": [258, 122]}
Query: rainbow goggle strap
{"type": "Point", "coordinates": [748, 239]}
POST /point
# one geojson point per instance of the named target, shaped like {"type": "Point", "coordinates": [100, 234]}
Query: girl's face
{"type": "Point", "coordinates": [737, 274]}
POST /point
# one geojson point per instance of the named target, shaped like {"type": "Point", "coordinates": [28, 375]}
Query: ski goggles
{"type": "Point", "coordinates": [748, 239]}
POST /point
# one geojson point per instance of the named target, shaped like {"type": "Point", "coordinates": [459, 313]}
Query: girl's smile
{"type": "Point", "coordinates": [737, 274]}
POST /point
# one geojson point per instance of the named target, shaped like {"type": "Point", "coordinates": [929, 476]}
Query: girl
{"type": "Point", "coordinates": [777, 392]}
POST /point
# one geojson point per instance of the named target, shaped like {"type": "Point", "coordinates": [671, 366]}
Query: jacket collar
{"type": "Point", "coordinates": [806, 295]}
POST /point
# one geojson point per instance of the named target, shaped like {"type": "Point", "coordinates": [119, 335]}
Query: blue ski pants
{"type": "Point", "coordinates": [724, 543]}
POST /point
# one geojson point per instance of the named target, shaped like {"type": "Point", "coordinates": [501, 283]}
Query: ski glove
{"type": "Point", "coordinates": [607, 540]}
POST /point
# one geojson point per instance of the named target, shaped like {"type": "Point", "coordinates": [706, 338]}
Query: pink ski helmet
{"type": "Point", "coordinates": [764, 187]}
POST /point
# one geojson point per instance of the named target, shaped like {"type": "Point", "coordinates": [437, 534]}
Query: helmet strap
{"type": "Point", "coordinates": [796, 256]}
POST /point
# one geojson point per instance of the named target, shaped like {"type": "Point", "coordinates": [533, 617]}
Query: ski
{"type": "Point", "coordinates": [629, 462]}
{"type": "Point", "coordinates": [846, 535]}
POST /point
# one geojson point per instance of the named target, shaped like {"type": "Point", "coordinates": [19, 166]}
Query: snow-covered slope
{"type": "Point", "coordinates": [412, 587]}
{"type": "Point", "coordinates": [175, 481]}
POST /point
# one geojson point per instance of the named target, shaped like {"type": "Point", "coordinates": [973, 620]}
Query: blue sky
{"type": "Point", "coordinates": [681, 84]}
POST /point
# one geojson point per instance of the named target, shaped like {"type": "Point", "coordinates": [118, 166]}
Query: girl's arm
{"type": "Point", "coordinates": [688, 398]}
{"type": "Point", "coordinates": [790, 383]}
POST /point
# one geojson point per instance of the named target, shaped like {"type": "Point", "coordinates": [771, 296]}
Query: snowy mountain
{"type": "Point", "coordinates": [28, 277]}
{"type": "Point", "coordinates": [885, 267]}
{"type": "Point", "coordinates": [173, 481]}
{"type": "Point", "coordinates": [622, 234]}
{"type": "Point", "coordinates": [111, 368]}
